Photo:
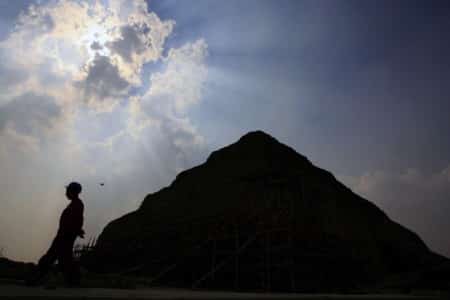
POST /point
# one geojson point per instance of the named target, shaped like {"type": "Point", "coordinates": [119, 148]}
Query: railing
{"type": "Point", "coordinates": [82, 249]}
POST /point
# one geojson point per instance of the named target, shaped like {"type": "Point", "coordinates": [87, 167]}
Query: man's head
{"type": "Point", "coordinates": [73, 190]}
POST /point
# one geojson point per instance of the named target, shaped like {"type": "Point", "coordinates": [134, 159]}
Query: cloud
{"type": "Point", "coordinates": [140, 40]}
{"type": "Point", "coordinates": [96, 46]}
{"type": "Point", "coordinates": [130, 43]}
{"type": "Point", "coordinates": [9, 76]}
{"type": "Point", "coordinates": [103, 82]}
{"type": "Point", "coordinates": [180, 85]}
{"type": "Point", "coordinates": [413, 198]}
{"type": "Point", "coordinates": [70, 39]}
{"type": "Point", "coordinates": [75, 105]}
{"type": "Point", "coordinates": [29, 114]}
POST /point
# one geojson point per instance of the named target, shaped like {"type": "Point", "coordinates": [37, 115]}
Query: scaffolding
{"type": "Point", "coordinates": [251, 249]}
{"type": "Point", "coordinates": [274, 238]}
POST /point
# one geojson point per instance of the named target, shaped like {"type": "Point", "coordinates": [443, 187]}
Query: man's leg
{"type": "Point", "coordinates": [45, 264]}
{"type": "Point", "coordinates": [69, 268]}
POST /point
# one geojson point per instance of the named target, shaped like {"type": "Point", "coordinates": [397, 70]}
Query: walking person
{"type": "Point", "coordinates": [61, 249]}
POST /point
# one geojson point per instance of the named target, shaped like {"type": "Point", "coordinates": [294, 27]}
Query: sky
{"type": "Point", "coordinates": [131, 92]}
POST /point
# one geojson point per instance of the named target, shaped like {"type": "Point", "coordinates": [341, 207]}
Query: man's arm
{"type": "Point", "coordinates": [79, 223]}
{"type": "Point", "coordinates": [72, 221]}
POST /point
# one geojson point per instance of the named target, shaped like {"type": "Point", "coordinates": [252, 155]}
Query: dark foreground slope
{"type": "Point", "coordinates": [258, 215]}
{"type": "Point", "coordinates": [10, 269]}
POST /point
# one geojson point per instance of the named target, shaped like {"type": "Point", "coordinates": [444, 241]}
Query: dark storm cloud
{"type": "Point", "coordinates": [130, 42]}
{"type": "Point", "coordinates": [29, 113]}
{"type": "Point", "coordinates": [103, 80]}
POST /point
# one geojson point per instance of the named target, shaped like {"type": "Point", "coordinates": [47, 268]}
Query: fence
{"type": "Point", "coordinates": [80, 250]}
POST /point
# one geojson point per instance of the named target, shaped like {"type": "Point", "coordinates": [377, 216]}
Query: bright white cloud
{"type": "Point", "coordinates": [70, 111]}
{"type": "Point", "coordinates": [180, 81]}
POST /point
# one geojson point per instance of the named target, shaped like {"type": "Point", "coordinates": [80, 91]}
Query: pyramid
{"type": "Point", "coordinates": [257, 215]}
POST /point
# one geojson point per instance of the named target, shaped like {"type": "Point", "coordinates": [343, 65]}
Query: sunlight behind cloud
{"type": "Point", "coordinates": [70, 110]}
{"type": "Point", "coordinates": [95, 39]}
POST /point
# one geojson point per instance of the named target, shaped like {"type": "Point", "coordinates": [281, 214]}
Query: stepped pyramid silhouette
{"type": "Point", "coordinates": [259, 216]}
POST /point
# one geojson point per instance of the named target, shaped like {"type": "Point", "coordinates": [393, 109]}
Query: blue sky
{"type": "Point", "coordinates": [360, 88]}
{"type": "Point", "coordinates": [359, 77]}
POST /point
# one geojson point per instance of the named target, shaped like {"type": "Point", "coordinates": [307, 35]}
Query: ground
{"type": "Point", "coordinates": [12, 291]}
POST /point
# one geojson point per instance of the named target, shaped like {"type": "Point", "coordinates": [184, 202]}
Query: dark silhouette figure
{"type": "Point", "coordinates": [70, 227]}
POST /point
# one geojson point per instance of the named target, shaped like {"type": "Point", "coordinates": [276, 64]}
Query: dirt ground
{"type": "Point", "coordinates": [10, 291]}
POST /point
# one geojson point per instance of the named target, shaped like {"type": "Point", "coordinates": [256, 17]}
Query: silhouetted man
{"type": "Point", "coordinates": [70, 227]}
